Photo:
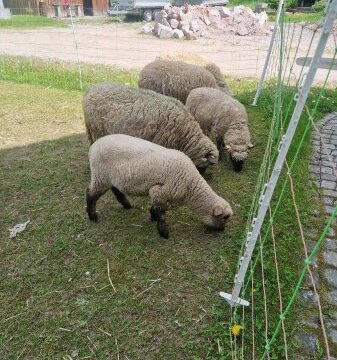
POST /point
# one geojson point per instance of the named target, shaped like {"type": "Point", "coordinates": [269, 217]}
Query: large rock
{"type": "Point", "coordinates": [165, 32]}
{"type": "Point", "coordinates": [159, 16]}
{"type": "Point", "coordinates": [178, 34]}
{"type": "Point", "coordinates": [190, 35]}
{"type": "Point", "coordinates": [206, 20]}
{"type": "Point", "coordinates": [225, 12]}
{"type": "Point", "coordinates": [185, 27]}
{"type": "Point", "coordinates": [147, 29]}
{"type": "Point", "coordinates": [262, 17]}
{"type": "Point", "coordinates": [174, 23]}
{"type": "Point", "coordinates": [194, 26]}
{"type": "Point", "coordinates": [242, 30]}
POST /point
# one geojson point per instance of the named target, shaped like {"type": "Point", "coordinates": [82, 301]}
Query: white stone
{"type": "Point", "coordinates": [178, 34]}
{"type": "Point", "coordinates": [225, 12]}
{"type": "Point", "coordinates": [165, 32]}
{"type": "Point", "coordinates": [174, 23]}
{"type": "Point", "coordinates": [146, 29]}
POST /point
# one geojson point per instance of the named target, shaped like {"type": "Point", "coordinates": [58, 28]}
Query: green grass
{"type": "Point", "coordinates": [297, 17]}
{"type": "Point", "coordinates": [55, 296]}
{"type": "Point", "coordinates": [30, 21]}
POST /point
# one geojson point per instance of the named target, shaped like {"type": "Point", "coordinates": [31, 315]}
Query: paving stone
{"type": "Point", "coordinates": [332, 232]}
{"type": "Point", "coordinates": [329, 177]}
{"type": "Point", "coordinates": [332, 334]}
{"type": "Point", "coordinates": [330, 276]}
{"type": "Point", "coordinates": [329, 209]}
{"type": "Point", "coordinates": [308, 298]}
{"type": "Point", "coordinates": [326, 170]}
{"type": "Point", "coordinates": [330, 244]}
{"type": "Point", "coordinates": [308, 282]}
{"type": "Point", "coordinates": [330, 185]}
{"type": "Point", "coordinates": [307, 341]}
{"type": "Point", "coordinates": [330, 258]}
{"type": "Point", "coordinates": [327, 201]}
{"type": "Point", "coordinates": [310, 320]}
{"type": "Point", "coordinates": [330, 193]}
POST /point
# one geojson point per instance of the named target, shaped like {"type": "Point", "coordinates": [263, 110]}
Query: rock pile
{"type": "Point", "coordinates": [193, 22]}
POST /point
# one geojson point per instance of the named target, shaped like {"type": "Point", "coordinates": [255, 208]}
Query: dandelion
{"type": "Point", "coordinates": [236, 330]}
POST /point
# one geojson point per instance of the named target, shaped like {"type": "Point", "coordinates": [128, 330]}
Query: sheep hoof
{"type": "Point", "coordinates": [153, 213]}
{"type": "Point", "coordinates": [93, 217]}
{"type": "Point", "coordinates": [163, 231]}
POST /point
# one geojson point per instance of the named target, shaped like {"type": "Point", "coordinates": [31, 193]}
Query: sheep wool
{"type": "Point", "coordinates": [112, 108]}
{"type": "Point", "coordinates": [133, 166]}
{"type": "Point", "coordinates": [225, 118]}
{"type": "Point", "coordinates": [177, 79]}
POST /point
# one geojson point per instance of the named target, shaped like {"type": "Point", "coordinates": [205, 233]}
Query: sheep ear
{"type": "Point", "coordinates": [228, 147]}
{"type": "Point", "coordinates": [211, 159]}
{"type": "Point", "coordinates": [217, 211]}
{"type": "Point", "coordinates": [250, 145]}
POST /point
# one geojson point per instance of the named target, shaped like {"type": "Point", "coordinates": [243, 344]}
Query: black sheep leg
{"type": "Point", "coordinates": [92, 198]}
{"type": "Point", "coordinates": [158, 214]}
{"type": "Point", "coordinates": [219, 145]}
{"type": "Point", "coordinates": [121, 198]}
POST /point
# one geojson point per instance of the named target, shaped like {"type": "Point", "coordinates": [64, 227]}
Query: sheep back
{"type": "Point", "coordinates": [112, 108]}
{"type": "Point", "coordinates": [175, 78]}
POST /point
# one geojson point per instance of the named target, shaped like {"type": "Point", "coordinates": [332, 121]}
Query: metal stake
{"type": "Point", "coordinates": [271, 44]}
{"type": "Point", "coordinates": [269, 188]}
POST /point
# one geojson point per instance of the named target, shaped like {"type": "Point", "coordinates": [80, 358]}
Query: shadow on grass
{"type": "Point", "coordinates": [54, 287]}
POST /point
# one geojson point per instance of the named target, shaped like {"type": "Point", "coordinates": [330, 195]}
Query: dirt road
{"type": "Point", "coordinates": [122, 45]}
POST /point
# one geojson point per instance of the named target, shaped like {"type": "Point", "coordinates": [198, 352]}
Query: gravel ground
{"type": "Point", "coordinates": [122, 45]}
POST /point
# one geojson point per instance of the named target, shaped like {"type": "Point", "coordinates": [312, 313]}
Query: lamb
{"type": "Point", "coordinates": [112, 108]}
{"type": "Point", "coordinates": [224, 117]}
{"type": "Point", "coordinates": [129, 165]}
{"type": "Point", "coordinates": [177, 79]}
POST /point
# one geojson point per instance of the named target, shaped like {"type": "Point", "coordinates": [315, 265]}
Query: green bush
{"type": "Point", "coordinates": [287, 3]}
{"type": "Point", "coordinates": [319, 5]}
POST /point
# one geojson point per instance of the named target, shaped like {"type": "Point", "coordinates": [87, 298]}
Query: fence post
{"type": "Point", "coordinates": [76, 46]}
{"type": "Point", "coordinates": [285, 143]}
{"type": "Point", "coordinates": [271, 44]}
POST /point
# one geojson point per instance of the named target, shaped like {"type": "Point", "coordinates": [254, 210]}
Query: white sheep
{"type": "Point", "coordinates": [129, 165]}
{"type": "Point", "coordinates": [177, 79]}
{"type": "Point", "coordinates": [225, 118]}
{"type": "Point", "coordinates": [113, 108]}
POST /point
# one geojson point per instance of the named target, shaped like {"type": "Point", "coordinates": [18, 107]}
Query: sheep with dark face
{"type": "Point", "coordinates": [224, 117]}
{"type": "Point", "coordinates": [177, 79]}
{"type": "Point", "coordinates": [129, 165]}
{"type": "Point", "coordinates": [113, 108]}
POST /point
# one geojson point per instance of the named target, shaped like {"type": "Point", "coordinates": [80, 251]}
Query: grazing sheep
{"type": "Point", "coordinates": [222, 85]}
{"type": "Point", "coordinates": [177, 79]}
{"type": "Point", "coordinates": [129, 165]}
{"type": "Point", "coordinates": [113, 108]}
{"type": "Point", "coordinates": [225, 118]}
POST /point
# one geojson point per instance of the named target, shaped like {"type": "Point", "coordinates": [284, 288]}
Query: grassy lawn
{"type": "Point", "coordinates": [314, 17]}
{"type": "Point", "coordinates": [30, 21]}
{"type": "Point", "coordinates": [55, 296]}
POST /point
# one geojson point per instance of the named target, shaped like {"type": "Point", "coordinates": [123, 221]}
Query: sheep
{"type": "Point", "coordinates": [112, 108]}
{"type": "Point", "coordinates": [129, 165]}
{"type": "Point", "coordinates": [177, 79]}
{"type": "Point", "coordinates": [224, 117]}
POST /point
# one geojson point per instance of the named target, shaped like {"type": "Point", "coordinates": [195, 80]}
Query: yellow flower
{"type": "Point", "coordinates": [236, 330]}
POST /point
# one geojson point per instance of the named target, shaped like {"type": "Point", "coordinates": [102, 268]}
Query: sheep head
{"type": "Point", "coordinates": [220, 212]}
{"type": "Point", "coordinates": [238, 153]}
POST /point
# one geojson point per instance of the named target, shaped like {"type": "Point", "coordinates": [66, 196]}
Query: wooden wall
{"type": "Point", "coordinates": [39, 7]}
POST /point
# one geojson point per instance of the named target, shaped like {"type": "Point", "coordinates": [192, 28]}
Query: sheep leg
{"type": "Point", "coordinates": [153, 214]}
{"type": "Point", "coordinates": [121, 198]}
{"type": "Point", "coordinates": [219, 144]}
{"type": "Point", "coordinates": [92, 197]}
{"type": "Point", "coordinates": [161, 223]}
{"type": "Point", "coordinates": [159, 199]}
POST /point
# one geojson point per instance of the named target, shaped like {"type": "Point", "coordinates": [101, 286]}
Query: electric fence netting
{"type": "Point", "coordinates": [264, 300]}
